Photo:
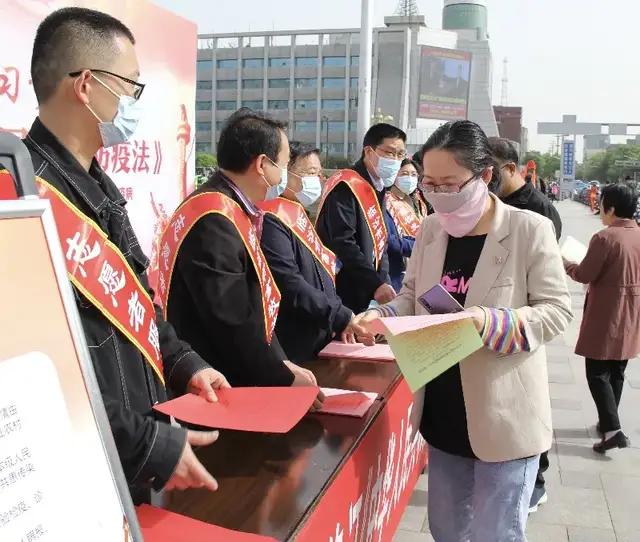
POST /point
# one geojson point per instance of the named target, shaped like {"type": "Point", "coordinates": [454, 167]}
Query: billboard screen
{"type": "Point", "coordinates": [444, 83]}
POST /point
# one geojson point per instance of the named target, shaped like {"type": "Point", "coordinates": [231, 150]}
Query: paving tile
{"type": "Point", "coordinates": [569, 506]}
{"type": "Point", "coordinates": [583, 459]}
{"type": "Point", "coordinates": [623, 496]}
{"type": "Point", "coordinates": [423, 483]}
{"type": "Point", "coordinates": [563, 391]}
{"type": "Point", "coordinates": [411, 536]}
{"type": "Point", "coordinates": [539, 532]}
{"type": "Point", "coordinates": [585, 480]}
{"type": "Point", "coordinates": [413, 518]}
{"type": "Point", "coordinates": [630, 536]}
{"type": "Point", "coordinates": [419, 499]}
{"type": "Point", "coordinates": [582, 534]}
{"type": "Point", "coordinates": [560, 375]}
{"type": "Point", "coordinates": [566, 404]}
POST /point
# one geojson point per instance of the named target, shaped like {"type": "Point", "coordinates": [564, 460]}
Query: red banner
{"type": "Point", "coordinates": [294, 217]}
{"type": "Point", "coordinates": [185, 218]}
{"type": "Point", "coordinates": [369, 205]}
{"type": "Point", "coordinates": [366, 500]}
{"type": "Point", "coordinates": [403, 215]}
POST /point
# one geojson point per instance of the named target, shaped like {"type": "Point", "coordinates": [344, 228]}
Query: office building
{"type": "Point", "coordinates": [509, 122]}
{"type": "Point", "coordinates": [309, 79]}
{"type": "Point", "coordinates": [594, 144]}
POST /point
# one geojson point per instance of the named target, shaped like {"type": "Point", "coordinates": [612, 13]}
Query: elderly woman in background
{"type": "Point", "coordinates": [610, 330]}
{"type": "Point", "coordinates": [488, 418]}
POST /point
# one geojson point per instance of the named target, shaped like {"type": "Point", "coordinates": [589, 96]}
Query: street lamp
{"type": "Point", "coordinates": [326, 139]}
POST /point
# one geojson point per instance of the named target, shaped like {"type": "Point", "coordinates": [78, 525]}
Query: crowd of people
{"type": "Point", "coordinates": [272, 261]}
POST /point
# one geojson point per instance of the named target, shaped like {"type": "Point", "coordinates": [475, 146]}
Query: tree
{"type": "Point", "coordinates": [206, 160]}
{"type": "Point", "coordinates": [546, 164]}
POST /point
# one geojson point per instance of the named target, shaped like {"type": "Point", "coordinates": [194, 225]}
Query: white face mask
{"type": "Point", "coordinates": [407, 184]}
{"type": "Point", "coordinates": [124, 124]}
{"type": "Point", "coordinates": [311, 190]}
{"type": "Point", "coordinates": [275, 191]}
{"type": "Point", "coordinates": [387, 169]}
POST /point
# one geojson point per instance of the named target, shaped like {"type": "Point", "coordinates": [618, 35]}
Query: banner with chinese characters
{"type": "Point", "coordinates": [155, 170]}
{"type": "Point", "coordinates": [365, 502]}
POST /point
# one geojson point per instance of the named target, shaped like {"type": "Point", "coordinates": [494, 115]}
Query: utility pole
{"type": "Point", "coordinates": [407, 8]}
{"type": "Point", "coordinates": [326, 140]}
{"type": "Point", "coordinates": [364, 78]}
{"type": "Point", "coordinates": [504, 99]}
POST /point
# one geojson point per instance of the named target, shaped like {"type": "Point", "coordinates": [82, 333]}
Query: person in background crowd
{"type": "Point", "coordinates": [351, 221]}
{"type": "Point", "coordinates": [514, 190]}
{"type": "Point", "coordinates": [422, 206]}
{"type": "Point", "coordinates": [488, 418]}
{"type": "Point", "coordinates": [593, 197]}
{"type": "Point", "coordinates": [311, 313]}
{"type": "Point", "coordinates": [83, 108]}
{"type": "Point", "coordinates": [543, 186]}
{"type": "Point", "coordinates": [218, 297]}
{"type": "Point", "coordinates": [555, 192]}
{"type": "Point", "coordinates": [402, 220]}
{"type": "Point", "coordinates": [610, 330]}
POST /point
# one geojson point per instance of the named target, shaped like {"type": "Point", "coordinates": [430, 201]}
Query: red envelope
{"type": "Point", "coordinates": [347, 403]}
{"type": "Point", "coordinates": [160, 525]}
{"type": "Point", "coordinates": [260, 410]}
{"type": "Point", "coordinates": [377, 352]}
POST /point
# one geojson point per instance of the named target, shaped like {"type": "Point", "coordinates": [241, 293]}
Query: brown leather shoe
{"type": "Point", "coordinates": [619, 440]}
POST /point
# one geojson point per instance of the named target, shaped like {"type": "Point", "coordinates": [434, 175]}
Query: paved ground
{"type": "Point", "coordinates": [591, 498]}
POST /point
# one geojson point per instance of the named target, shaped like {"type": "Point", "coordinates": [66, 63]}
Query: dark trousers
{"type": "Point", "coordinates": [605, 379]}
{"type": "Point", "coordinates": [542, 467]}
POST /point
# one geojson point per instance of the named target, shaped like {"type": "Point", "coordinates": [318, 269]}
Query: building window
{"type": "Point", "coordinates": [353, 103]}
{"type": "Point", "coordinates": [283, 62]}
{"type": "Point", "coordinates": [204, 64]}
{"type": "Point", "coordinates": [355, 61]}
{"type": "Point", "coordinates": [278, 104]}
{"type": "Point", "coordinates": [304, 126]}
{"type": "Point", "coordinates": [332, 104]}
{"type": "Point", "coordinates": [334, 148]}
{"type": "Point", "coordinates": [306, 104]}
{"type": "Point", "coordinates": [353, 82]}
{"type": "Point", "coordinates": [306, 82]}
{"type": "Point", "coordinates": [333, 82]}
{"type": "Point", "coordinates": [226, 105]}
{"type": "Point", "coordinates": [252, 83]}
{"type": "Point", "coordinates": [203, 147]}
{"type": "Point", "coordinates": [252, 104]}
{"type": "Point", "coordinates": [253, 63]}
{"type": "Point", "coordinates": [203, 106]}
{"type": "Point", "coordinates": [278, 83]}
{"type": "Point", "coordinates": [334, 61]}
{"type": "Point", "coordinates": [204, 85]}
{"type": "Point", "coordinates": [226, 84]}
{"type": "Point", "coordinates": [203, 126]}
{"type": "Point", "coordinates": [336, 126]}
{"type": "Point", "coordinates": [353, 125]}
{"type": "Point", "coordinates": [307, 61]}
{"type": "Point", "coordinates": [352, 148]}
{"type": "Point", "coordinates": [228, 63]}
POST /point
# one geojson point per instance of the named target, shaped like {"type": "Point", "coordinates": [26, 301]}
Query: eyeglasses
{"type": "Point", "coordinates": [446, 188]}
{"type": "Point", "coordinates": [137, 87]}
{"type": "Point", "coordinates": [400, 155]}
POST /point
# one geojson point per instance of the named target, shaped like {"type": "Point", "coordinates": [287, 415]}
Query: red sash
{"type": "Point", "coordinates": [97, 268]}
{"type": "Point", "coordinates": [7, 187]}
{"type": "Point", "coordinates": [369, 205]}
{"type": "Point", "coordinates": [293, 215]}
{"type": "Point", "coordinates": [403, 215]}
{"type": "Point", "coordinates": [186, 217]}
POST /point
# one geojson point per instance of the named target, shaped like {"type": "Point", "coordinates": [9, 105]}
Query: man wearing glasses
{"type": "Point", "coordinates": [351, 221]}
{"type": "Point", "coordinates": [84, 71]}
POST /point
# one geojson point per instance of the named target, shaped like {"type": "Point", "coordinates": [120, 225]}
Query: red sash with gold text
{"type": "Point", "coordinates": [369, 205]}
{"type": "Point", "coordinates": [403, 215]}
{"type": "Point", "coordinates": [186, 217]}
{"type": "Point", "coordinates": [97, 268]}
{"type": "Point", "coordinates": [294, 217]}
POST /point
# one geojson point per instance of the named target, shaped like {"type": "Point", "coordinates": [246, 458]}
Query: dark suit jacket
{"type": "Point", "coordinates": [342, 227]}
{"type": "Point", "coordinates": [310, 311]}
{"type": "Point", "coordinates": [610, 328]}
{"type": "Point", "coordinates": [530, 198]}
{"type": "Point", "coordinates": [215, 301]}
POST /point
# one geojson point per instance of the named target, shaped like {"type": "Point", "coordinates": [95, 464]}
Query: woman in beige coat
{"type": "Point", "coordinates": [487, 419]}
{"type": "Point", "coordinates": [610, 330]}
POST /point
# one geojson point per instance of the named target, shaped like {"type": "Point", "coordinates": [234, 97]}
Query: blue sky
{"type": "Point", "coordinates": [565, 56]}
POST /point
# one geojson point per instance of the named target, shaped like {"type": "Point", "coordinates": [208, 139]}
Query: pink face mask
{"type": "Point", "coordinates": [459, 213]}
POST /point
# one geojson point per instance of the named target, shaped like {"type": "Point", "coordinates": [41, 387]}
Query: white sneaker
{"type": "Point", "coordinates": [539, 497]}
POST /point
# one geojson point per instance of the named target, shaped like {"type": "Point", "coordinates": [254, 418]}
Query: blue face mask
{"type": "Point", "coordinates": [407, 184]}
{"type": "Point", "coordinates": [311, 190]}
{"type": "Point", "coordinates": [275, 191]}
{"type": "Point", "coordinates": [124, 124]}
{"type": "Point", "coordinates": [387, 169]}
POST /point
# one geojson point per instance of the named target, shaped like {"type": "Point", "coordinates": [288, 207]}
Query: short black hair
{"type": "Point", "coordinates": [299, 150]}
{"type": "Point", "coordinates": [469, 145]}
{"type": "Point", "coordinates": [504, 150]}
{"type": "Point", "coordinates": [415, 164]}
{"type": "Point", "coordinates": [72, 39]}
{"type": "Point", "coordinates": [379, 132]}
{"type": "Point", "coordinates": [622, 198]}
{"type": "Point", "coordinates": [246, 135]}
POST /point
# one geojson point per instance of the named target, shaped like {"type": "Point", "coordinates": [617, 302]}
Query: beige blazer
{"type": "Point", "coordinates": [506, 396]}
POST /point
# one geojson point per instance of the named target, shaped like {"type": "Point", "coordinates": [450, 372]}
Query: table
{"type": "Point", "coordinates": [329, 473]}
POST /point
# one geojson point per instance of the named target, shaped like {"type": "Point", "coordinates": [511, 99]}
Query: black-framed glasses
{"type": "Point", "coordinates": [137, 87]}
{"type": "Point", "coordinates": [446, 188]}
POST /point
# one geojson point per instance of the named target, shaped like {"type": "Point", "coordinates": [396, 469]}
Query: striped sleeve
{"type": "Point", "coordinates": [504, 331]}
{"type": "Point", "coordinates": [386, 311]}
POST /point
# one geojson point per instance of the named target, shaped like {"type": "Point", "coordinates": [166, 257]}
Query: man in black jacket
{"type": "Point", "coordinates": [216, 298]}
{"type": "Point", "coordinates": [83, 67]}
{"type": "Point", "coordinates": [342, 224]}
{"type": "Point", "coordinates": [515, 191]}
